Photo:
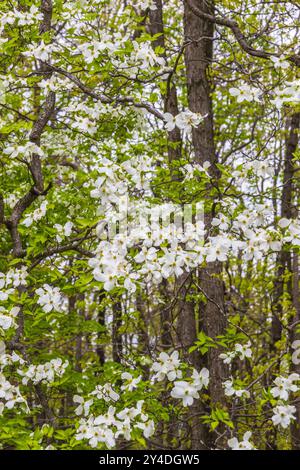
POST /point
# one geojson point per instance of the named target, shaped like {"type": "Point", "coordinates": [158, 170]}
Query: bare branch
{"type": "Point", "coordinates": [241, 39]}
{"type": "Point", "coordinates": [104, 99]}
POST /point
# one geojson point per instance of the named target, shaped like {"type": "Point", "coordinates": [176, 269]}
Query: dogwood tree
{"type": "Point", "coordinates": [149, 224]}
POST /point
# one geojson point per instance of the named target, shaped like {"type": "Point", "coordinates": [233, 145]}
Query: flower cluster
{"type": "Point", "coordinates": [94, 48]}
{"type": "Point", "coordinates": [105, 392]}
{"type": "Point", "coordinates": [49, 298]}
{"type": "Point", "coordinates": [230, 390]}
{"type": "Point", "coordinates": [9, 395]}
{"type": "Point", "coordinates": [145, 56]}
{"type": "Point", "coordinates": [167, 366]}
{"type": "Point", "coordinates": [187, 391]}
{"type": "Point", "coordinates": [41, 51]}
{"type": "Point", "coordinates": [285, 385]}
{"type": "Point", "coordinates": [22, 18]}
{"type": "Point", "coordinates": [44, 373]}
{"type": "Point", "coordinates": [166, 250]}
{"type": "Point", "coordinates": [185, 120]}
{"type": "Point", "coordinates": [12, 279]}
{"type": "Point", "coordinates": [245, 93]}
{"type": "Point", "coordinates": [36, 215]}
{"type": "Point", "coordinates": [25, 150]}
{"type": "Point", "coordinates": [284, 414]}
{"type": "Point", "coordinates": [9, 359]}
{"type": "Point", "coordinates": [106, 428]}
{"type": "Point", "coordinates": [144, 4]}
{"type": "Point", "coordinates": [7, 319]}
{"type": "Point", "coordinates": [288, 95]}
{"type": "Point", "coordinates": [235, 444]}
{"type": "Point", "coordinates": [240, 351]}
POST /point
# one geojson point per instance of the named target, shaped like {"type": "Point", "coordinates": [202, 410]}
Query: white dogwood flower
{"type": "Point", "coordinates": [185, 391]}
{"type": "Point", "coordinates": [245, 93]}
{"type": "Point", "coordinates": [280, 62]}
{"type": "Point", "coordinates": [284, 386]}
{"type": "Point", "coordinates": [83, 406]}
{"type": "Point", "coordinates": [131, 382]}
{"type": "Point", "coordinates": [296, 353]}
{"type": "Point", "coordinates": [243, 351]}
{"type": "Point", "coordinates": [235, 444]}
{"type": "Point", "coordinates": [105, 392]}
{"type": "Point", "coordinates": [167, 366]}
{"type": "Point", "coordinates": [200, 379]}
{"type": "Point", "coordinates": [229, 390]}
{"type": "Point", "coordinates": [63, 230]}
{"type": "Point", "coordinates": [7, 319]}
{"type": "Point", "coordinates": [283, 415]}
{"type": "Point", "coordinates": [49, 298]}
{"type": "Point", "coordinates": [185, 120]}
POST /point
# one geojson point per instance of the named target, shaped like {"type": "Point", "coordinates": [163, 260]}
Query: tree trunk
{"type": "Point", "coordinates": [116, 336]}
{"type": "Point", "coordinates": [198, 57]}
{"type": "Point", "coordinates": [289, 210]}
{"type": "Point", "coordinates": [100, 349]}
{"type": "Point", "coordinates": [186, 325]}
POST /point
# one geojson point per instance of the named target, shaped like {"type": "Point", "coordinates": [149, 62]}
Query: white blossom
{"type": "Point", "coordinates": [83, 405]}
{"type": "Point", "coordinates": [284, 386]}
{"type": "Point", "coordinates": [245, 93]}
{"type": "Point", "coordinates": [283, 415]}
{"type": "Point", "coordinates": [230, 390]}
{"type": "Point", "coordinates": [36, 215]}
{"type": "Point", "coordinates": [130, 382]}
{"type": "Point", "coordinates": [185, 391]}
{"type": "Point", "coordinates": [49, 298]}
{"type": "Point", "coordinates": [167, 366]}
{"type": "Point", "coordinates": [105, 392]}
{"type": "Point", "coordinates": [45, 373]}
{"type": "Point", "coordinates": [234, 444]}
{"type": "Point", "coordinates": [296, 353]}
{"type": "Point", "coordinates": [185, 120]}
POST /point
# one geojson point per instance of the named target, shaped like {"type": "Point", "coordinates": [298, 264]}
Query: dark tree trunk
{"type": "Point", "coordinates": [100, 349]}
{"type": "Point", "coordinates": [283, 256]}
{"type": "Point", "coordinates": [116, 335]}
{"type": "Point", "coordinates": [289, 210]}
{"type": "Point", "coordinates": [198, 58]}
{"type": "Point", "coordinates": [186, 325]}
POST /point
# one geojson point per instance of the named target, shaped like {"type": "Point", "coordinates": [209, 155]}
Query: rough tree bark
{"type": "Point", "coordinates": [289, 210]}
{"type": "Point", "coordinates": [186, 329]}
{"type": "Point", "coordinates": [117, 343]}
{"type": "Point", "coordinates": [284, 257]}
{"type": "Point", "coordinates": [100, 349]}
{"type": "Point", "coordinates": [199, 35]}
{"type": "Point", "coordinates": [295, 426]}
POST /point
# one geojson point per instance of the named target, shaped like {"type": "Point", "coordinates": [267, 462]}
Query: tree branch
{"type": "Point", "coordinates": [104, 99]}
{"type": "Point", "coordinates": [240, 37]}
